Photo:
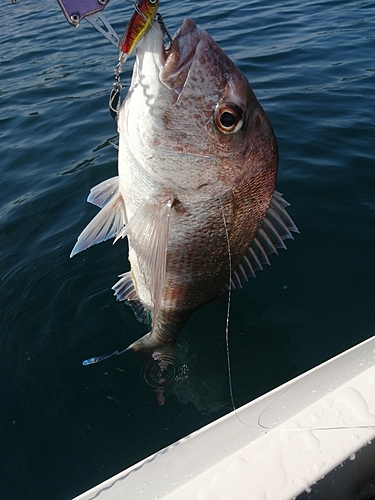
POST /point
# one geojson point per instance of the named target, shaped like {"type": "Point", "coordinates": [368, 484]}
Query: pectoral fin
{"type": "Point", "coordinates": [148, 232]}
{"type": "Point", "coordinates": [274, 229]}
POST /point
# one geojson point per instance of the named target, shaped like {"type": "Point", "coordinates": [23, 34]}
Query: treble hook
{"type": "Point", "coordinates": [161, 22]}
{"type": "Point", "coordinates": [114, 98]}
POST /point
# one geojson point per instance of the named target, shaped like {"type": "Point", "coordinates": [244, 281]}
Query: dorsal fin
{"type": "Point", "coordinates": [274, 229]}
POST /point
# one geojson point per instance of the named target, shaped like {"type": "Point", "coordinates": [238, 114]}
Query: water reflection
{"type": "Point", "coordinates": [196, 370]}
{"type": "Point", "coordinates": [164, 370]}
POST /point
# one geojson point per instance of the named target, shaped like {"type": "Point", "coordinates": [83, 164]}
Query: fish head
{"type": "Point", "coordinates": [196, 107]}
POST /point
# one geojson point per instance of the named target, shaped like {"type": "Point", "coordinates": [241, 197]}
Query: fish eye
{"type": "Point", "coordinates": [228, 118]}
{"type": "Point", "coordinates": [153, 2]}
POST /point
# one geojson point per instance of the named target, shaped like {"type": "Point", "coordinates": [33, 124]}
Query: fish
{"type": "Point", "coordinates": [195, 192]}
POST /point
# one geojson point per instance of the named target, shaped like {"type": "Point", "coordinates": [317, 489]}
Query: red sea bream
{"type": "Point", "coordinates": [195, 193]}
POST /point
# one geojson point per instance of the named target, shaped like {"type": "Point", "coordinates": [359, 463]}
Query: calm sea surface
{"type": "Point", "coordinates": [65, 427]}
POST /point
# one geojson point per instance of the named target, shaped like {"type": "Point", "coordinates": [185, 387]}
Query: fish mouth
{"type": "Point", "coordinates": [178, 58]}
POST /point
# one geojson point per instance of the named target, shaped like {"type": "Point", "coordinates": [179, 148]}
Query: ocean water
{"type": "Point", "coordinates": [65, 427]}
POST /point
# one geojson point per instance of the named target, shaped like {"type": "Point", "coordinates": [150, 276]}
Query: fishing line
{"type": "Point", "coordinates": [227, 323]}
{"type": "Point", "coordinates": [228, 310]}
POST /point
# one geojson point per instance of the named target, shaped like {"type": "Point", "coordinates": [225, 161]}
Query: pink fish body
{"type": "Point", "coordinates": [195, 193]}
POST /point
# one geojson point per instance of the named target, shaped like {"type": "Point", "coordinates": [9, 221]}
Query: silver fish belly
{"type": "Point", "coordinates": [195, 193]}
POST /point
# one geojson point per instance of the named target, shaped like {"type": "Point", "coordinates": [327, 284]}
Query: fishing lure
{"type": "Point", "coordinates": [139, 24]}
